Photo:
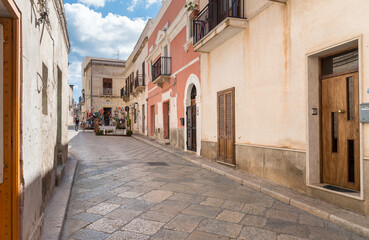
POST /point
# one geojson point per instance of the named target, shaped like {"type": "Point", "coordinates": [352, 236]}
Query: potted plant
{"type": "Point", "coordinates": [193, 8]}
{"type": "Point", "coordinates": [128, 124]}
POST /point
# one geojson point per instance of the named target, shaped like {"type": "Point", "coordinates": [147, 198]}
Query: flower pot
{"type": "Point", "coordinates": [194, 14]}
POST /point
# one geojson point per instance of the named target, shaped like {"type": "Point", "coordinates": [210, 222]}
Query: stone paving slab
{"type": "Point", "coordinates": [348, 220]}
{"type": "Point", "coordinates": [119, 194]}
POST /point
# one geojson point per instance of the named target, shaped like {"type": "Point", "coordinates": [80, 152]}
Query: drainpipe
{"type": "Point", "coordinates": [147, 117]}
{"type": "Point", "coordinates": [91, 85]}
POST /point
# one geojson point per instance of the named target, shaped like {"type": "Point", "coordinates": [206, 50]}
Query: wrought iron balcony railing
{"type": "Point", "coordinates": [107, 91]}
{"type": "Point", "coordinates": [213, 14]}
{"type": "Point", "coordinates": [123, 92]}
{"type": "Point", "coordinates": [140, 80]}
{"type": "Point", "coordinates": [163, 66]}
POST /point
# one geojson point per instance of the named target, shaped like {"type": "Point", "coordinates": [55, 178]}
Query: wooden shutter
{"type": "Point", "coordinates": [226, 126]}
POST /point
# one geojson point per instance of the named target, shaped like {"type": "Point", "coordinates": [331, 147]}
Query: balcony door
{"type": "Point", "coordinates": [226, 126]}
{"type": "Point", "coordinates": [228, 8]}
{"type": "Point", "coordinates": [107, 86]}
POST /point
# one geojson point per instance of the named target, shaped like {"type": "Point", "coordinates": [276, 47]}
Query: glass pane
{"type": "Point", "coordinates": [351, 160]}
{"type": "Point", "coordinates": [340, 62]}
{"type": "Point", "coordinates": [350, 98]}
{"type": "Point", "coordinates": [334, 132]}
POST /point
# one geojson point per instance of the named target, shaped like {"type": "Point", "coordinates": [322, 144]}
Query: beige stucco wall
{"type": "Point", "coordinates": [39, 131]}
{"type": "Point", "coordinates": [267, 65]}
{"type": "Point", "coordinates": [134, 64]}
{"type": "Point", "coordinates": [98, 72]}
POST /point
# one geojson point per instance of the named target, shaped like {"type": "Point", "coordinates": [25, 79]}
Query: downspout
{"type": "Point", "coordinates": [91, 85]}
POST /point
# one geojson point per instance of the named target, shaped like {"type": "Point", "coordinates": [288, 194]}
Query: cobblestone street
{"type": "Point", "coordinates": [127, 189]}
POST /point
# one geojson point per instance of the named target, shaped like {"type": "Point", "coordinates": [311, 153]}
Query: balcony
{"type": "Point", "coordinates": [217, 22]}
{"type": "Point", "coordinates": [107, 92]}
{"type": "Point", "coordinates": [161, 70]}
{"type": "Point", "coordinates": [140, 83]}
{"type": "Point", "coordinates": [124, 94]}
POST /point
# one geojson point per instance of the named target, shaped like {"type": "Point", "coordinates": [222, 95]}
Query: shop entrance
{"type": "Point", "coordinates": [107, 115]}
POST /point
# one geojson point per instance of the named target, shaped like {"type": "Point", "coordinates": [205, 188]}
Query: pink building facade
{"type": "Point", "coordinates": [174, 79]}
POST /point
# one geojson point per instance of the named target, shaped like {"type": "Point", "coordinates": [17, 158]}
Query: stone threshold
{"type": "Point", "coordinates": [350, 221]}
{"type": "Point", "coordinates": [57, 206]}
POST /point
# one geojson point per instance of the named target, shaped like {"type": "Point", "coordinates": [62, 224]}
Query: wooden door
{"type": "Point", "coordinates": [340, 131]}
{"type": "Point", "coordinates": [226, 125]}
{"type": "Point", "coordinates": [166, 120]}
{"type": "Point", "coordinates": [152, 125]}
{"type": "Point", "coordinates": [8, 163]}
{"type": "Point", "coordinates": [143, 118]}
{"type": "Point", "coordinates": [191, 127]}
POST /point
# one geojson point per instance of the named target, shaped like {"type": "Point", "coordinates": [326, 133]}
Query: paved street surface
{"type": "Point", "coordinates": [126, 189]}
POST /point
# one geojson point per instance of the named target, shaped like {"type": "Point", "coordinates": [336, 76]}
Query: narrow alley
{"type": "Point", "coordinates": [127, 189]}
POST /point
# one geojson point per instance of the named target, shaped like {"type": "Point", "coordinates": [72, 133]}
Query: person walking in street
{"type": "Point", "coordinates": [77, 123]}
{"type": "Point", "coordinates": [83, 124]}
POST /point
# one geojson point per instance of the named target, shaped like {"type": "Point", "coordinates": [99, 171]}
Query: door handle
{"type": "Point", "coordinates": [341, 111]}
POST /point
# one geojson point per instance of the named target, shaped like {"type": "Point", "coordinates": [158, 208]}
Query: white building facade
{"type": "Point", "coordinates": [34, 53]}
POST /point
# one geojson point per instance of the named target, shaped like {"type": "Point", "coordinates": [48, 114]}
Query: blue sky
{"type": "Point", "coordinates": [102, 28]}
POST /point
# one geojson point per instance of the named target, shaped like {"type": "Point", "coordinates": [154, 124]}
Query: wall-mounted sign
{"type": "Point", "coordinates": [364, 112]}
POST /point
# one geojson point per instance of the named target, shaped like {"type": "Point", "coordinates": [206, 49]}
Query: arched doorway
{"type": "Point", "coordinates": [191, 121]}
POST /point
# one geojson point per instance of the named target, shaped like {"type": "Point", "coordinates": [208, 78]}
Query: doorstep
{"type": "Point", "coordinates": [350, 221]}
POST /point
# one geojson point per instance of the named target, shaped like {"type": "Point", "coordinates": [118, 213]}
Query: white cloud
{"type": "Point", "coordinates": [132, 6]}
{"type": "Point", "coordinates": [98, 36]}
{"type": "Point", "coordinates": [151, 2]}
{"type": "Point", "coordinates": [74, 73]}
{"type": "Point", "coordinates": [95, 3]}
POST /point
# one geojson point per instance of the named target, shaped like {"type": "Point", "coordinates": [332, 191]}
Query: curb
{"type": "Point", "coordinates": [350, 221]}
{"type": "Point", "coordinates": [56, 209]}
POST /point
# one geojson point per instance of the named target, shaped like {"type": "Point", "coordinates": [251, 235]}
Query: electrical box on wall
{"type": "Point", "coordinates": [364, 112]}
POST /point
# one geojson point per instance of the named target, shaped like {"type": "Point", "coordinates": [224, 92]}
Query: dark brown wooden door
{"type": "Point", "coordinates": [143, 118]}
{"type": "Point", "coordinates": [340, 131]}
{"type": "Point", "coordinates": [226, 126]}
{"type": "Point", "coordinates": [191, 128]}
{"type": "Point", "coordinates": [166, 120]}
{"type": "Point", "coordinates": [152, 121]}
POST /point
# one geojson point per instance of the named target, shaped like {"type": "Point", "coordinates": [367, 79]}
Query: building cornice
{"type": "Point", "coordinates": [59, 7]}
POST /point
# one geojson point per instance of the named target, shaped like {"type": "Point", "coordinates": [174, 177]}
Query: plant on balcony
{"type": "Point", "coordinates": [193, 8]}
